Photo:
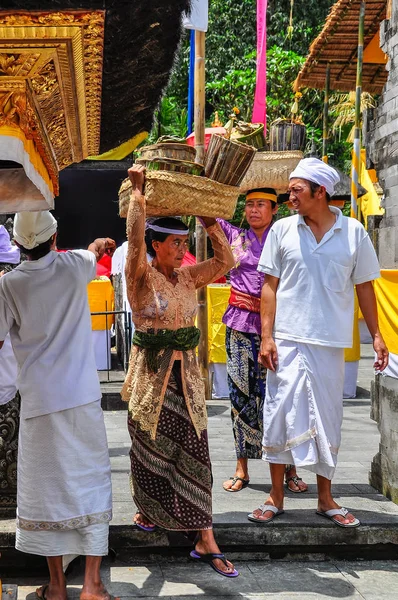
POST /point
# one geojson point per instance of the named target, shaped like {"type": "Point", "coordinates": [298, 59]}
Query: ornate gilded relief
{"type": "Point", "coordinates": [50, 82]}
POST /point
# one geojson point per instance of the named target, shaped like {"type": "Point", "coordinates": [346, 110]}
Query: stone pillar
{"type": "Point", "coordinates": [383, 152]}
{"type": "Point", "coordinates": [9, 429]}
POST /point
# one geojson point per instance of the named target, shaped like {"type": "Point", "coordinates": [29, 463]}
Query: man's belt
{"type": "Point", "coordinates": [244, 301]}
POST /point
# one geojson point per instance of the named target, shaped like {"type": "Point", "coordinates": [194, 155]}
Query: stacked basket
{"type": "Point", "coordinates": [175, 186]}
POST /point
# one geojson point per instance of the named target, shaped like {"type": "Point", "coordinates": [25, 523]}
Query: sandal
{"type": "Point", "coordinates": [264, 507]}
{"type": "Point", "coordinates": [43, 589]}
{"type": "Point", "coordinates": [343, 512]}
{"type": "Point", "coordinates": [209, 558]}
{"type": "Point", "coordinates": [234, 479]}
{"type": "Point", "coordinates": [295, 480]}
{"type": "Point", "coordinates": [148, 528]}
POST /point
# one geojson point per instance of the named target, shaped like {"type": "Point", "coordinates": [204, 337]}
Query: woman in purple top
{"type": "Point", "coordinates": [246, 377]}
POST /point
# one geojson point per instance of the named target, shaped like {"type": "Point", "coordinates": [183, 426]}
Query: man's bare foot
{"type": "Point", "coordinates": [295, 483]}
{"type": "Point", "coordinates": [96, 592]}
{"type": "Point", "coordinates": [209, 546]}
{"type": "Point", "coordinates": [237, 482]}
{"type": "Point", "coordinates": [51, 592]}
{"type": "Point", "coordinates": [268, 514]}
{"type": "Point", "coordinates": [349, 518]}
{"type": "Point", "coordinates": [141, 519]}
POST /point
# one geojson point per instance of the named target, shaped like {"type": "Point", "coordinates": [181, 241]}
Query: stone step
{"type": "Point", "coordinates": [296, 535]}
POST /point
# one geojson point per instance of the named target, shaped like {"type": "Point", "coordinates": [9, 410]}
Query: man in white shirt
{"type": "Point", "coordinates": [64, 485]}
{"type": "Point", "coordinates": [312, 262]}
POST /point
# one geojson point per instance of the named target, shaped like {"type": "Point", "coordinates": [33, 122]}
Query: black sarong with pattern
{"type": "Point", "coordinates": [171, 475]}
{"type": "Point", "coordinates": [246, 382]}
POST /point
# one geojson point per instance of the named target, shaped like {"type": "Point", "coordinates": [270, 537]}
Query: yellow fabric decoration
{"type": "Point", "coordinates": [386, 290]}
{"type": "Point", "coordinates": [123, 150]}
{"type": "Point", "coordinates": [101, 298]}
{"type": "Point", "coordinates": [354, 354]}
{"type": "Point", "coordinates": [370, 202]}
{"type": "Point", "coordinates": [217, 302]}
{"type": "Point", "coordinates": [30, 149]}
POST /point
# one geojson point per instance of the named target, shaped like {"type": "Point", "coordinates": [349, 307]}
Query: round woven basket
{"type": "Point", "coordinates": [271, 169]}
{"type": "Point", "coordinates": [172, 194]}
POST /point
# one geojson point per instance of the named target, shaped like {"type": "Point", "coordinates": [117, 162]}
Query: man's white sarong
{"type": "Point", "coordinates": [303, 409]}
{"type": "Point", "coordinates": [64, 483]}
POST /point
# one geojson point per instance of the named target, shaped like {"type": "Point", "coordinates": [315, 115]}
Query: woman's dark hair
{"type": "Point", "coordinates": [156, 236]}
{"type": "Point", "coordinates": [40, 250]}
{"type": "Point", "coordinates": [315, 187]}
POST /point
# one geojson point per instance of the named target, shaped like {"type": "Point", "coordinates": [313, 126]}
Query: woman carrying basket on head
{"type": "Point", "coordinates": [246, 376]}
{"type": "Point", "coordinates": [167, 420]}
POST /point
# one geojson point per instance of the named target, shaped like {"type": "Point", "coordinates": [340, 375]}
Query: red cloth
{"type": "Point", "coordinates": [104, 266]}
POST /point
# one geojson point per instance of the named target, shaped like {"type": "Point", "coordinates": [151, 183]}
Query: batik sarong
{"type": "Point", "coordinates": [246, 382]}
{"type": "Point", "coordinates": [171, 474]}
{"type": "Point", "coordinates": [303, 409]}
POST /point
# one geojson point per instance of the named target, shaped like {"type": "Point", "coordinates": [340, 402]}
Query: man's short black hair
{"type": "Point", "coordinates": [40, 250]}
{"type": "Point", "coordinates": [314, 187]}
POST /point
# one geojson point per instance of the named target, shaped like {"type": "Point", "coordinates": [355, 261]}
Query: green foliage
{"type": "Point", "coordinates": [170, 119]}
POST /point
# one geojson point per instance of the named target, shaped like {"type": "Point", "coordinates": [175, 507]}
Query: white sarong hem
{"type": "Point", "coordinates": [72, 523]}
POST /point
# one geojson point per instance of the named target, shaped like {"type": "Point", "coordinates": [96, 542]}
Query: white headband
{"type": "Point", "coordinates": [160, 229]}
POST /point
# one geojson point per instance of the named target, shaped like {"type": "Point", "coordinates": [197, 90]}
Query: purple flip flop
{"type": "Point", "coordinates": [147, 528]}
{"type": "Point", "coordinates": [208, 558]}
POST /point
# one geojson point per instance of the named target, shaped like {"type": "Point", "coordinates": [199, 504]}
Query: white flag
{"type": "Point", "coordinates": [198, 18]}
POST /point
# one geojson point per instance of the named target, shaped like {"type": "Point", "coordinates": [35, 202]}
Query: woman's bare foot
{"type": "Point", "coordinates": [294, 483]}
{"type": "Point", "coordinates": [241, 477]}
{"type": "Point", "coordinates": [51, 592]}
{"type": "Point", "coordinates": [141, 519]}
{"type": "Point", "coordinates": [208, 545]}
{"type": "Point", "coordinates": [236, 483]}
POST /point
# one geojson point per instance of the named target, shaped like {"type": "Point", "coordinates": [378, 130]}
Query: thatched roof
{"type": "Point", "coordinates": [141, 37]}
{"type": "Point", "coordinates": [337, 45]}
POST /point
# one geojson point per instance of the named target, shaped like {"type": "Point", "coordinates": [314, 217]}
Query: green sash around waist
{"type": "Point", "coordinates": [185, 338]}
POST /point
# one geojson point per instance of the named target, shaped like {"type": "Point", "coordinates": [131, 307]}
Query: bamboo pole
{"type": "Point", "coordinates": [201, 236]}
{"type": "Point", "coordinates": [325, 136]}
{"type": "Point", "coordinates": [356, 154]}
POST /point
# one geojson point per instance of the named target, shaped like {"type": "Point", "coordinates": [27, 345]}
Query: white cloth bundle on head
{"type": "Point", "coordinates": [8, 253]}
{"type": "Point", "coordinates": [317, 171]}
{"type": "Point", "coordinates": [33, 228]}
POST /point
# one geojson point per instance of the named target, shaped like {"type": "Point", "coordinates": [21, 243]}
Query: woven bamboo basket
{"type": "Point", "coordinates": [172, 194]}
{"type": "Point", "coordinates": [271, 169]}
{"type": "Point", "coordinates": [168, 150]}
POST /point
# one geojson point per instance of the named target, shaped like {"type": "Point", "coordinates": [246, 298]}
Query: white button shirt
{"type": "Point", "coordinates": [44, 306]}
{"type": "Point", "coordinates": [315, 295]}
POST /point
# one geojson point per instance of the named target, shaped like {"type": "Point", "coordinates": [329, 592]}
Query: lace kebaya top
{"type": "Point", "coordinates": [157, 304]}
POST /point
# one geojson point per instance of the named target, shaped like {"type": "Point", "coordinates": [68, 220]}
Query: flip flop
{"type": "Point", "coordinates": [148, 528]}
{"type": "Point", "coordinates": [295, 480]}
{"type": "Point", "coordinates": [264, 508]}
{"type": "Point", "coordinates": [43, 589]}
{"type": "Point", "coordinates": [208, 558]}
{"type": "Point", "coordinates": [330, 514]}
{"type": "Point", "coordinates": [234, 479]}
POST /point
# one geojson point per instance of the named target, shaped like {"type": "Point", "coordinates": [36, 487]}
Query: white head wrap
{"type": "Point", "coordinates": [33, 228]}
{"type": "Point", "coordinates": [318, 172]}
{"type": "Point", "coordinates": [8, 253]}
{"type": "Point", "coordinates": [170, 231]}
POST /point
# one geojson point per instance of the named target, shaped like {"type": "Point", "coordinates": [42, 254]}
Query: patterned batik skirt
{"type": "Point", "coordinates": [171, 475]}
{"type": "Point", "coordinates": [246, 382]}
